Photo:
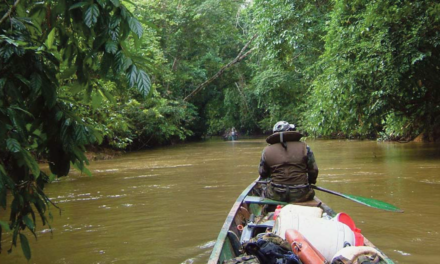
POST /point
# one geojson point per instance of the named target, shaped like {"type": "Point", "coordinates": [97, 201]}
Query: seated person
{"type": "Point", "coordinates": [289, 164]}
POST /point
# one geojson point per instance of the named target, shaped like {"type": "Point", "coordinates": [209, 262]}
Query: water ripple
{"type": "Point", "coordinates": [169, 166]}
{"type": "Point", "coordinates": [141, 176]}
{"type": "Point", "coordinates": [116, 195]}
{"type": "Point", "coordinates": [402, 253]}
{"type": "Point", "coordinates": [109, 170]}
{"type": "Point", "coordinates": [430, 181]}
{"type": "Point", "coordinates": [208, 244]}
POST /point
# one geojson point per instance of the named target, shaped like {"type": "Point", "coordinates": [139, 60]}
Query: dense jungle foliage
{"type": "Point", "coordinates": [141, 73]}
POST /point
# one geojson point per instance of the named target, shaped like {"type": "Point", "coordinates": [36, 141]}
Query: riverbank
{"type": "Point", "coordinates": [102, 153]}
{"type": "Point", "coordinates": [105, 153]}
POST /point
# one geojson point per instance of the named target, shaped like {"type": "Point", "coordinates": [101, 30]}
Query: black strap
{"type": "Point", "coordinates": [298, 186]}
{"type": "Point", "coordinates": [284, 144]}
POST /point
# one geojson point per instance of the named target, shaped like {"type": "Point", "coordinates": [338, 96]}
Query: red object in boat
{"type": "Point", "coordinates": [346, 219]}
{"type": "Point", "coordinates": [277, 212]}
{"type": "Point", "coordinates": [303, 249]}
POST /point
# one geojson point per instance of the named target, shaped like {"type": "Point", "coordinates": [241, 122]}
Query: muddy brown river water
{"type": "Point", "coordinates": [167, 205]}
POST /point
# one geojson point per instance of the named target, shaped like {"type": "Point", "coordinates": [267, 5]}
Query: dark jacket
{"type": "Point", "coordinates": [291, 164]}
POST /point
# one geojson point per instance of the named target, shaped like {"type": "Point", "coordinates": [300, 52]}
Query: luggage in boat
{"type": "Point", "coordinates": [303, 249]}
{"type": "Point", "coordinates": [346, 219]}
{"type": "Point", "coordinates": [249, 216]}
{"type": "Point", "coordinates": [328, 237]}
{"type": "Point", "coordinates": [301, 210]}
{"type": "Point", "coordinates": [358, 255]}
{"type": "Point", "coordinates": [271, 249]}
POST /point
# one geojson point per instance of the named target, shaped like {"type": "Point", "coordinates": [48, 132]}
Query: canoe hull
{"type": "Point", "coordinates": [247, 205]}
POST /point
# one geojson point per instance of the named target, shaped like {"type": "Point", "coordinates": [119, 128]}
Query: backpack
{"type": "Point", "coordinates": [271, 249]}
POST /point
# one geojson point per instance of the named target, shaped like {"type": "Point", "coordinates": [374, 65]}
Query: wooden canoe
{"type": "Point", "coordinates": [248, 205]}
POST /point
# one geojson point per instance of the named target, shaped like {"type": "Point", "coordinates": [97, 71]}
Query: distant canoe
{"type": "Point", "coordinates": [246, 219]}
{"type": "Point", "coordinates": [231, 137]}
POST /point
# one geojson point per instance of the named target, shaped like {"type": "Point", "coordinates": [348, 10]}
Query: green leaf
{"type": "Point", "coordinates": [18, 25]}
{"type": "Point", "coordinates": [115, 22]}
{"type": "Point", "coordinates": [107, 95]}
{"type": "Point", "coordinates": [36, 81]}
{"type": "Point", "coordinates": [116, 3]}
{"type": "Point", "coordinates": [124, 13]}
{"type": "Point", "coordinates": [136, 41]}
{"type": "Point", "coordinates": [59, 115]}
{"type": "Point", "coordinates": [111, 47]}
{"type": "Point", "coordinates": [4, 225]}
{"type": "Point", "coordinates": [50, 39]}
{"type": "Point", "coordinates": [28, 222]}
{"type": "Point", "coordinates": [31, 163]}
{"type": "Point", "coordinates": [67, 73]}
{"type": "Point", "coordinates": [78, 5]}
{"type": "Point", "coordinates": [52, 177]}
{"type": "Point", "coordinates": [25, 246]}
{"type": "Point", "coordinates": [135, 26]}
{"type": "Point", "coordinates": [82, 168]}
{"type": "Point", "coordinates": [13, 145]}
{"type": "Point", "coordinates": [130, 2]}
{"type": "Point", "coordinates": [96, 100]}
{"type": "Point", "coordinates": [143, 83]}
{"type": "Point", "coordinates": [132, 76]}
{"type": "Point", "coordinates": [91, 15]}
{"type": "Point", "coordinates": [15, 235]}
{"type": "Point", "coordinates": [102, 3]}
{"type": "Point", "coordinates": [75, 88]}
{"type": "Point", "coordinates": [23, 79]}
{"type": "Point", "coordinates": [20, 109]}
{"type": "Point", "coordinates": [120, 62]}
{"type": "Point", "coordinates": [6, 52]}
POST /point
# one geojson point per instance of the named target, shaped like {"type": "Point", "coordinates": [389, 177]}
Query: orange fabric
{"type": "Point", "coordinates": [303, 249]}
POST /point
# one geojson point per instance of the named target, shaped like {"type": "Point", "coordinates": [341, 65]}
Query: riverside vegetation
{"type": "Point", "coordinates": [134, 74]}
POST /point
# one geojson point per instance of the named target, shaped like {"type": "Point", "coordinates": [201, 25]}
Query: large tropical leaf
{"type": "Point", "coordinates": [91, 15]}
{"type": "Point", "coordinates": [143, 82]}
{"type": "Point", "coordinates": [36, 81]}
{"type": "Point", "coordinates": [111, 47]}
{"type": "Point", "coordinates": [25, 246]}
{"type": "Point", "coordinates": [31, 163]}
{"type": "Point", "coordinates": [135, 26]}
{"type": "Point", "coordinates": [102, 3]}
{"type": "Point", "coordinates": [78, 5]}
{"type": "Point", "coordinates": [121, 62]}
{"type": "Point", "coordinates": [116, 3]}
{"type": "Point", "coordinates": [13, 145]}
{"type": "Point", "coordinates": [132, 75]}
{"type": "Point", "coordinates": [29, 223]}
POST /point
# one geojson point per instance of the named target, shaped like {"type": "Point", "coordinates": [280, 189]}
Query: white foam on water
{"type": "Point", "coordinates": [402, 253]}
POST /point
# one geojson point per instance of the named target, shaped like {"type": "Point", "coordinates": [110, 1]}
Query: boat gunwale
{"type": "Point", "coordinates": [218, 247]}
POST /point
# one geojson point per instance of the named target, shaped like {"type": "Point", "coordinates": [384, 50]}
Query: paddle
{"type": "Point", "coordinates": [358, 199]}
{"type": "Point", "coordinates": [362, 200]}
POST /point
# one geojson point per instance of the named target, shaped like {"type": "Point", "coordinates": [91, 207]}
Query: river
{"type": "Point", "coordinates": [167, 205]}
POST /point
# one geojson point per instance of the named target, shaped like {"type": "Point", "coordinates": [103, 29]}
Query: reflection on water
{"type": "Point", "coordinates": [168, 205]}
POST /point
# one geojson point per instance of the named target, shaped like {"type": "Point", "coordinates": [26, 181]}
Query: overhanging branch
{"type": "Point", "coordinates": [8, 14]}
{"type": "Point", "coordinates": [237, 59]}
